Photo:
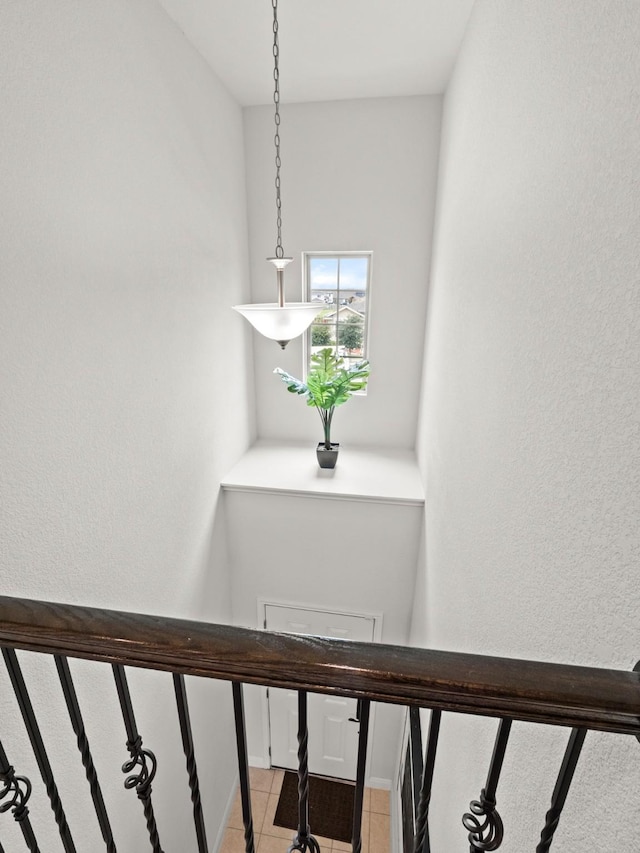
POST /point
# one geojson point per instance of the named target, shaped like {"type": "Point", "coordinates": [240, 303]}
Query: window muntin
{"type": "Point", "coordinates": [342, 280]}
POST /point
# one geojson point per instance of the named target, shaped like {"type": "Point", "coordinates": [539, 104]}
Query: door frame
{"type": "Point", "coordinates": [377, 618]}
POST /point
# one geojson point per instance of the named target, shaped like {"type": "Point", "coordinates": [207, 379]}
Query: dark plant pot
{"type": "Point", "coordinates": [327, 458]}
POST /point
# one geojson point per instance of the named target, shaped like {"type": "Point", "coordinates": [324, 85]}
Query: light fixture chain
{"type": "Point", "coordinates": [276, 138]}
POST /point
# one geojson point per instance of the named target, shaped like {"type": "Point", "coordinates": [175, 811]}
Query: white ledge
{"type": "Point", "coordinates": [362, 474]}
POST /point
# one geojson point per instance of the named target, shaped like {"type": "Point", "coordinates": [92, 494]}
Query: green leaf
{"type": "Point", "coordinates": [296, 386]}
{"type": "Point", "coordinates": [329, 383]}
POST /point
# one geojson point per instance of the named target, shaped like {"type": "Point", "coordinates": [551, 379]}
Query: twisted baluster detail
{"type": "Point", "coordinates": [249, 838]}
{"type": "Point", "coordinates": [141, 781]}
{"type": "Point", "coordinates": [303, 774]}
{"type": "Point", "coordinates": [190, 756]}
{"type": "Point", "coordinates": [357, 847]}
{"type": "Point", "coordinates": [94, 785]}
{"type": "Point", "coordinates": [58, 813]}
{"type": "Point", "coordinates": [303, 840]}
{"type": "Point", "coordinates": [551, 821]}
{"type": "Point", "coordinates": [243, 767]}
{"type": "Point", "coordinates": [37, 743]}
{"type": "Point", "coordinates": [483, 824]}
{"type": "Point", "coordinates": [77, 723]}
{"type": "Point", "coordinates": [561, 790]}
{"type": "Point", "coordinates": [87, 760]}
{"type": "Point", "coordinates": [422, 823]}
{"type": "Point", "coordinates": [16, 790]}
{"type": "Point", "coordinates": [194, 785]}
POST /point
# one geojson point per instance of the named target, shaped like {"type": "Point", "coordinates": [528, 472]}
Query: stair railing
{"type": "Point", "coordinates": [581, 698]}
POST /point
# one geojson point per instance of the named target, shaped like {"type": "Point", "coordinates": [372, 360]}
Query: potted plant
{"type": "Point", "coordinates": [329, 384]}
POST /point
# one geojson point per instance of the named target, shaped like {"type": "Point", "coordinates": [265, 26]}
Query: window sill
{"type": "Point", "coordinates": [377, 475]}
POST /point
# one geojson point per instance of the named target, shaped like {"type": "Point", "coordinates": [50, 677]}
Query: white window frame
{"type": "Point", "coordinates": [306, 284]}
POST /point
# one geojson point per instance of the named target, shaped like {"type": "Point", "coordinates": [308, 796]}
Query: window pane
{"type": "Point", "coordinates": [355, 302]}
{"type": "Point", "coordinates": [329, 297]}
{"type": "Point", "coordinates": [349, 362]}
{"type": "Point", "coordinates": [351, 336]}
{"type": "Point", "coordinates": [340, 281]}
{"type": "Point", "coordinates": [353, 275]}
{"type": "Point", "coordinates": [322, 335]}
{"type": "Point", "coordinates": [323, 274]}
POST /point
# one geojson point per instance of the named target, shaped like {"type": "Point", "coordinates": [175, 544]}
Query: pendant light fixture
{"type": "Point", "coordinates": [277, 320]}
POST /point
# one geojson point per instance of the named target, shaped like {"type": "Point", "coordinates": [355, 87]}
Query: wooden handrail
{"type": "Point", "coordinates": [604, 699]}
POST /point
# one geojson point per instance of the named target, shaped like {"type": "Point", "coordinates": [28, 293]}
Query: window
{"type": "Point", "coordinates": [342, 281]}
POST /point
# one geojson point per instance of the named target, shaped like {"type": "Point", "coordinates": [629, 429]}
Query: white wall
{"type": "Point", "coordinates": [356, 175]}
{"type": "Point", "coordinates": [122, 244]}
{"type": "Point", "coordinates": [352, 556]}
{"type": "Point", "coordinates": [529, 430]}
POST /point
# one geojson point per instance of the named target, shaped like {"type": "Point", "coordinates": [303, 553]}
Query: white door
{"type": "Point", "coordinates": [333, 727]}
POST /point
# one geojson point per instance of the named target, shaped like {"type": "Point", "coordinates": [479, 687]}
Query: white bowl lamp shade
{"type": "Point", "coordinates": [280, 323]}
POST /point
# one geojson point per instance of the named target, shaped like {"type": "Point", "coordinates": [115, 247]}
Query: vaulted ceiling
{"type": "Point", "coordinates": [330, 49]}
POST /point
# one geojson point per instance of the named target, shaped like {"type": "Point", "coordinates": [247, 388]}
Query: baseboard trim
{"type": "Point", "coordinates": [225, 817]}
{"type": "Point", "coordinates": [258, 761]}
{"type": "Point", "coordinates": [378, 782]}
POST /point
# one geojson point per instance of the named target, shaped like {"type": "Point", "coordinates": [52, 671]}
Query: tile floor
{"type": "Point", "coordinates": [265, 790]}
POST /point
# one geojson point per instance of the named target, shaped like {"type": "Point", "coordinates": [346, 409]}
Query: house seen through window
{"type": "Point", "coordinates": [342, 281]}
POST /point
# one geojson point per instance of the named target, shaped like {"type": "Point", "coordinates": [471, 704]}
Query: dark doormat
{"type": "Point", "coordinates": [330, 806]}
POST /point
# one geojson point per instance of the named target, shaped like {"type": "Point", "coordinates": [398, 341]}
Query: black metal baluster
{"type": "Point", "coordinates": [484, 824]}
{"type": "Point", "coordinates": [243, 767]}
{"type": "Point", "coordinates": [189, 752]}
{"type": "Point", "coordinates": [422, 844]}
{"type": "Point", "coordinates": [637, 669]}
{"type": "Point", "coordinates": [563, 783]}
{"type": "Point", "coordinates": [364, 707]}
{"type": "Point", "coordinates": [75, 715]}
{"type": "Point", "coordinates": [303, 839]}
{"type": "Point", "coordinates": [142, 780]}
{"type": "Point", "coordinates": [16, 790]}
{"type": "Point", "coordinates": [417, 762]}
{"type": "Point", "coordinates": [33, 730]}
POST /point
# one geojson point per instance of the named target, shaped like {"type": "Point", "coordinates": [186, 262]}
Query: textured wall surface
{"type": "Point", "coordinates": [368, 570]}
{"type": "Point", "coordinates": [529, 437]}
{"type": "Point", "coordinates": [356, 175]}
{"type": "Point", "coordinates": [122, 244]}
